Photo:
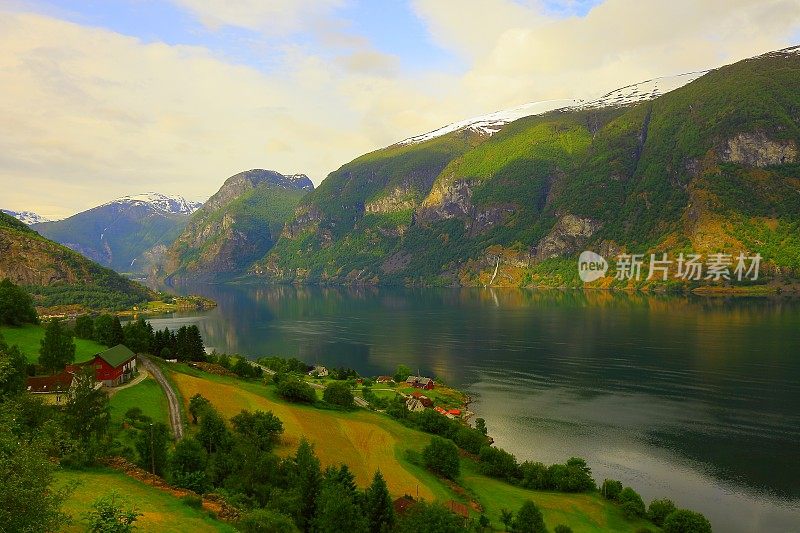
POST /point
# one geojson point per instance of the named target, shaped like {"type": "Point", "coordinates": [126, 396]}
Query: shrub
{"type": "Point", "coordinates": [529, 519]}
{"type": "Point", "coordinates": [659, 510]}
{"type": "Point", "coordinates": [441, 456]}
{"type": "Point", "coordinates": [685, 521]}
{"type": "Point", "coordinates": [498, 463]}
{"type": "Point", "coordinates": [193, 501]}
{"type": "Point", "coordinates": [296, 390]}
{"type": "Point", "coordinates": [338, 393]}
{"type": "Point", "coordinates": [611, 489]}
{"type": "Point", "coordinates": [561, 528]}
{"type": "Point", "coordinates": [632, 504]}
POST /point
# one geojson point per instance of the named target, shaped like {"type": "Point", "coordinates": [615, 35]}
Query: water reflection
{"type": "Point", "coordinates": [696, 398]}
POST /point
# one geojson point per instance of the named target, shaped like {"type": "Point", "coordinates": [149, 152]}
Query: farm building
{"type": "Point", "coordinates": [403, 504]}
{"type": "Point", "coordinates": [384, 379]}
{"type": "Point", "coordinates": [319, 371]}
{"type": "Point", "coordinates": [424, 400]}
{"type": "Point", "coordinates": [414, 404]}
{"type": "Point", "coordinates": [114, 366]}
{"type": "Point", "coordinates": [420, 382]}
{"type": "Point", "coordinates": [57, 385]}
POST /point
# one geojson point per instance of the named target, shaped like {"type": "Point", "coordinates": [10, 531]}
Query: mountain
{"type": "Point", "coordinates": [236, 226]}
{"type": "Point", "coordinates": [129, 234]}
{"type": "Point", "coordinates": [711, 165]}
{"type": "Point", "coordinates": [26, 217]}
{"type": "Point", "coordinates": [58, 276]}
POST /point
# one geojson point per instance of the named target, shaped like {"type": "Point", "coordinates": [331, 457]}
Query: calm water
{"type": "Point", "coordinates": [695, 399]}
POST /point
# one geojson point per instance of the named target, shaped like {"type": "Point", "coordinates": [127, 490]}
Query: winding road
{"type": "Point", "coordinates": [172, 399]}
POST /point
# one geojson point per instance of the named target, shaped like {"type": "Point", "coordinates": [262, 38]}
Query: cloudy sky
{"type": "Point", "coordinates": [102, 98]}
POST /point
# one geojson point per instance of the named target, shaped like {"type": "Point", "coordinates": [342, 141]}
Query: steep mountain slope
{"type": "Point", "coordinates": [56, 275]}
{"type": "Point", "coordinates": [26, 217]}
{"type": "Point", "coordinates": [710, 166]}
{"type": "Point", "coordinates": [125, 234]}
{"type": "Point", "coordinates": [237, 225]}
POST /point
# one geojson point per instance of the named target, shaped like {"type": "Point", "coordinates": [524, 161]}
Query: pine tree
{"type": "Point", "coordinates": [378, 505]}
{"type": "Point", "coordinates": [57, 347]}
{"type": "Point", "coordinates": [308, 480]}
{"type": "Point", "coordinates": [117, 336]}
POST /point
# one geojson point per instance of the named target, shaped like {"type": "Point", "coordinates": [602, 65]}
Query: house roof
{"type": "Point", "coordinates": [384, 378]}
{"type": "Point", "coordinates": [56, 383]}
{"type": "Point", "coordinates": [117, 356]}
{"type": "Point", "coordinates": [403, 504]}
{"type": "Point", "coordinates": [418, 379]}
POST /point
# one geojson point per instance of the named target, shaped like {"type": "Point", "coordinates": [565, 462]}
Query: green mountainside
{"type": "Point", "coordinates": [710, 167]}
{"type": "Point", "coordinates": [129, 234]}
{"type": "Point", "coordinates": [236, 226]}
{"type": "Point", "coordinates": [58, 276]}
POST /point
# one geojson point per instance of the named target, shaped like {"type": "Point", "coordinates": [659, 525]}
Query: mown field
{"type": "Point", "coordinates": [146, 395]}
{"type": "Point", "coordinates": [366, 441]}
{"type": "Point", "coordinates": [162, 511]}
{"type": "Point", "coordinates": [29, 338]}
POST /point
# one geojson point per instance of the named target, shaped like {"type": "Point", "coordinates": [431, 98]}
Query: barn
{"type": "Point", "coordinates": [114, 366]}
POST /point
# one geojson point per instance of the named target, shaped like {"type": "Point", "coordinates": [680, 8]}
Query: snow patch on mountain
{"type": "Point", "coordinates": [492, 122]}
{"type": "Point", "coordinates": [629, 95]}
{"type": "Point", "coordinates": [301, 180]}
{"type": "Point", "coordinates": [160, 202]}
{"type": "Point", "coordinates": [26, 217]}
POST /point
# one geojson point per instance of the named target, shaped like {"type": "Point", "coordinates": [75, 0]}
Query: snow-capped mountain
{"type": "Point", "coordinates": [632, 94]}
{"type": "Point", "coordinates": [302, 181]}
{"type": "Point", "coordinates": [177, 205]}
{"type": "Point", "coordinates": [26, 217]}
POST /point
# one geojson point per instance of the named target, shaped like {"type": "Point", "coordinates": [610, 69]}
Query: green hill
{"type": "Point", "coordinates": [58, 276]}
{"type": "Point", "coordinates": [710, 167]}
{"type": "Point", "coordinates": [236, 226]}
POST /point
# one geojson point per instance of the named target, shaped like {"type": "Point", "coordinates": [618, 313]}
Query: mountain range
{"type": "Point", "coordinates": [129, 234]}
{"type": "Point", "coordinates": [701, 162]}
{"type": "Point", "coordinates": [26, 217]}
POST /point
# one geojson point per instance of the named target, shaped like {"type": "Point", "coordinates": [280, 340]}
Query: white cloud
{"type": "Point", "coordinates": [271, 16]}
{"type": "Point", "coordinates": [89, 114]}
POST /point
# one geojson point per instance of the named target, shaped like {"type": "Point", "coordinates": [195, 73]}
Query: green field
{"type": "Point", "coordinates": [581, 512]}
{"type": "Point", "coordinates": [162, 511]}
{"type": "Point", "coordinates": [28, 339]}
{"type": "Point", "coordinates": [146, 395]}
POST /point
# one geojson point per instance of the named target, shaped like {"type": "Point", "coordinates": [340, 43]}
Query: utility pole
{"type": "Point", "coordinates": [152, 456]}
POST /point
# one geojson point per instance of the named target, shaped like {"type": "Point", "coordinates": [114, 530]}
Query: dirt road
{"type": "Point", "coordinates": [172, 399]}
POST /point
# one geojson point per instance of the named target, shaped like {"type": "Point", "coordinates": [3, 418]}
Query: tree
{"type": "Point", "coordinates": [57, 349]}
{"type": "Point", "coordinates": [307, 480]}
{"type": "Point", "coordinates": [430, 518]}
{"type": "Point", "coordinates": [611, 489]}
{"type": "Point", "coordinates": [480, 425]}
{"type": "Point", "coordinates": [561, 528]}
{"type": "Point", "coordinates": [87, 412]}
{"type": "Point", "coordinates": [631, 503]}
{"type": "Point", "coordinates": [401, 373]}
{"type": "Point", "coordinates": [84, 327]}
{"type": "Point", "coordinates": [378, 505]}
{"type": "Point", "coordinates": [507, 518]}
{"type": "Point", "coordinates": [685, 521]}
{"type": "Point", "coordinates": [496, 462]}
{"type": "Point", "coordinates": [338, 393]}
{"type": "Point", "coordinates": [213, 434]}
{"type": "Point", "coordinates": [108, 515]}
{"type": "Point", "coordinates": [151, 443]}
{"type": "Point", "coordinates": [262, 429]}
{"type": "Point", "coordinates": [296, 390]}
{"type": "Point", "coordinates": [138, 335]}
{"type": "Point", "coordinates": [108, 330]}
{"type": "Point", "coordinates": [574, 476]}
{"type": "Point", "coordinates": [13, 369]}
{"type": "Point", "coordinates": [658, 510]}
{"type": "Point", "coordinates": [441, 456]}
{"type": "Point", "coordinates": [197, 403]}
{"type": "Point", "coordinates": [28, 499]}
{"type": "Point", "coordinates": [484, 522]}
{"type": "Point", "coordinates": [337, 509]}
{"type": "Point", "coordinates": [187, 465]}
{"type": "Point", "coordinates": [16, 305]}
{"type": "Point", "coordinates": [529, 519]}
{"type": "Point", "coordinates": [266, 521]}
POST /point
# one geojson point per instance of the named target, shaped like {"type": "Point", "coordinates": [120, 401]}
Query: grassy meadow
{"type": "Point", "coordinates": [146, 395]}
{"type": "Point", "coordinates": [28, 338]}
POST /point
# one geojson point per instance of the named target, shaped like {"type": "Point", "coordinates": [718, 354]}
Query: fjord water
{"type": "Point", "coordinates": [697, 399]}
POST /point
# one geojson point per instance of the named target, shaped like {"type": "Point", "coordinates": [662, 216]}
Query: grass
{"type": "Point", "coordinates": [581, 512]}
{"type": "Point", "coordinates": [28, 339]}
{"type": "Point", "coordinates": [162, 511]}
{"type": "Point", "coordinates": [364, 441]}
{"type": "Point", "coordinates": [146, 395]}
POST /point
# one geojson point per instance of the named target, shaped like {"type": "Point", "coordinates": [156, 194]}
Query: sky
{"type": "Point", "coordinates": [101, 99]}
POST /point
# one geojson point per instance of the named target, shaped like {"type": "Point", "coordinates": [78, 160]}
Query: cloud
{"type": "Point", "coordinates": [90, 114]}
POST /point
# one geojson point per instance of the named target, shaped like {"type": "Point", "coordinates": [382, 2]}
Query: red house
{"type": "Point", "coordinates": [420, 382]}
{"type": "Point", "coordinates": [115, 366]}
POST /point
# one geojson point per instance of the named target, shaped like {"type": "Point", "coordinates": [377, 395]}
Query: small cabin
{"type": "Point", "coordinates": [384, 379]}
{"type": "Point", "coordinates": [114, 366]}
{"type": "Point", "coordinates": [57, 386]}
{"type": "Point", "coordinates": [420, 382]}
{"type": "Point", "coordinates": [319, 371]}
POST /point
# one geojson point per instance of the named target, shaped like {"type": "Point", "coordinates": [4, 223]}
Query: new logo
{"type": "Point", "coordinates": [591, 266]}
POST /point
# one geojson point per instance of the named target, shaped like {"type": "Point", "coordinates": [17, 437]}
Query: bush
{"type": "Point", "coordinates": [561, 528]}
{"type": "Point", "coordinates": [574, 476]}
{"type": "Point", "coordinates": [632, 504]}
{"type": "Point", "coordinates": [266, 521]}
{"type": "Point", "coordinates": [193, 501]}
{"type": "Point", "coordinates": [659, 510]}
{"type": "Point", "coordinates": [529, 519]}
{"type": "Point", "coordinates": [611, 489]}
{"type": "Point", "coordinates": [498, 463]}
{"type": "Point", "coordinates": [296, 390]}
{"type": "Point", "coordinates": [338, 393]}
{"type": "Point", "coordinates": [685, 521]}
{"type": "Point", "coordinates": [441, 456]}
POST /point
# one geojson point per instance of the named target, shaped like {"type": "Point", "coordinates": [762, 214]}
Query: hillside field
{"type": "Point", "coordinates": [28, 338]}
